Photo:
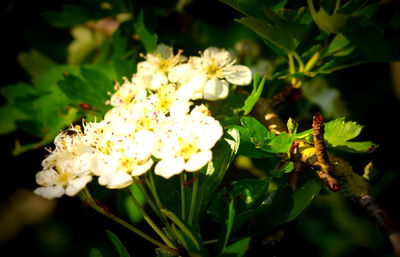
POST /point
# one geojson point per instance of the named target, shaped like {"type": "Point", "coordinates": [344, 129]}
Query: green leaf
{"type": "Point", "coordinates": [147, 36]}
{"type": "Point", "coordinates": [285, 166]}
{"type": "Point", "coordinates": [255, 94]}
{"type": "Point", "coordinates": [255, 8]}
{"type": "Point", "coordinates": [237, 249]}
{"type": "Point", "coordinates": [271, 32]}
{"type": "Point", "coordinates": [8, 116]}
{"type": "Point", "coordinates": [246, 193]}
{"type": "Point", "coordinates": [224, 237]}
{"type": "Point", "coordinates": [273, 211]}
{"type": "Point", "coordinates": [91, 88]}
{"type": "Point", "coordinates": [303, 196]}
{"type": "Point", "coordinates": [330, 23]}
{"type": "Point", "coordinates": [70, 16]}
{"type": "Point", "coordinates": [280, 143]}
{"type": "Point", "coordinates": [338, 133]}
{"type": "Point", "coordinates": [122, 252]}
{"type": "Point", "coordinates": [188, 236]}
{"type": "Point", "coordinates": [95, 252]}
{"type": "Point", "coordinates": [35, 63]}
{"type": "Point", "coordinates": [161, 252]}
{"type": "Point", "coordinates": [212, 175]}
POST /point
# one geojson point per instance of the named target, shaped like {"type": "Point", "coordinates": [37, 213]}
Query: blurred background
{"type": "Point", "coordinates": [331, 227]}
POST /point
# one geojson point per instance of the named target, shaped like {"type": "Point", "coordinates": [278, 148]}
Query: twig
{"type": "Point", "coordinates": [326, 169]}
{"type": "Point", "coordinates": [351, 184]}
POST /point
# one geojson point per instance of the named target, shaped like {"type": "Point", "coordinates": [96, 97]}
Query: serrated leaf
{"type": "Point", "coordinates": [147, 36]}
{"type": "Point", "coordinates": [330, 23]}
{"type": "Point", "coordinates": [89, 89]}
{"type": "Point", "coordinates": [70, 16]}
{"type": "Point", "coordinates": [237, 249]}
{"type": "Point", "coordinates": [338, 133]}
{"type": "Point", "coordinates": [8, 116]}
{"type": "Point", "coordinates": [280, 143]}
{"type": "Point", "coordinates": [35, 63]}
{"type": "Point", "coordinates": [122, 252]}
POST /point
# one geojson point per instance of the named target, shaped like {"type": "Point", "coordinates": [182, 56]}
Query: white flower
{"type": "Point", "coordinates": [68, 175]}
{"type": "Point", "coordinates": [217, 65]}
{"type": "Point", "coordinates": [153, 72]}
{"type": "Point", "coordinates": [129, 92]}
{"type": "Point", "coordinates": [122, 153]}
{"type": "Point", "coordinates": [184, 142]}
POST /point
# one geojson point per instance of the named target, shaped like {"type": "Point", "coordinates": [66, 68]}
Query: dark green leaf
{"type": "Point", "coordinates": [285, 167]}
{"type": "Point", "coordinates": [330, 23]}
{"type": "Point", "coordinates": [9, 114]}
{"type": "Point", "coordinates": [255, 8]}
{"type": "Point", "coordinates": [35, 63]}
{"type": "Point", "coordinates": [272, 212]}
{"type": "Point", "coordinates": [145, 32]}
{"type": "Point", "coordinates": [188, 236]}
{"type": "Point", "coordinates": [70, 16]}
{"type": "Point", "coordinates": [91, 89]}
{"type": "Point", "coordinates": [303, 196]}
{"type": "Point", "coordinates": [122, 252]}
{"type": "Point", "coordinates": [237, 249]}
{"type": "Point", "coordinates": [274, 34]}
{"type": "Point", "coordinates": [214, 172]}
{"type": "Point", "coordinates": [223, 240]}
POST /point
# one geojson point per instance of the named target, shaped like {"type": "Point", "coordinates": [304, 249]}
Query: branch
{"type": "Point", "coordinates": [333, 170]}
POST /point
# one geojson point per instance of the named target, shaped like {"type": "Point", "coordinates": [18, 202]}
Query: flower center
{"type": "Point", "coordinates": [213, 70]}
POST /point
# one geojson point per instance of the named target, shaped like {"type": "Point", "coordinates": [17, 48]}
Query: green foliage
{"type": "Point", "coordinates": [338, 133]}
{"type": "Point", "coordinates": [258, 86]}
{"type": "Point", "coordinates": [122, 252]}
{"type": "Point", "coordinates": [237, 249]}
{"type": "Point", "coordinates": [146, 34]}
{"type": "Point", "coordinates": [90, 88]}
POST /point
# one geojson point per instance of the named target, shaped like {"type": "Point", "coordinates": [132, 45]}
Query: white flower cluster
{"type": "Point", "coordinates": [152, 123]}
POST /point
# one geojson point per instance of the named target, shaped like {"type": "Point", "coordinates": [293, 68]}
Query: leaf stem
{"type": "Point", "coordinates": [149, 220]}
{"type": "Point", "coordinates": [87, 197]}
{"type": "Point", "coordinates": [193, 201]}
{"type": "Point", "coordinates": [183, 197]}
{"type": "Point", "coordinates": [299, 61]}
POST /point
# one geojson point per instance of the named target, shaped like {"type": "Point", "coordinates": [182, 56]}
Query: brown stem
{"type": "Point", "coordinates": [342, 173]}
{"type": "Point", "coordinates": [326, 169]}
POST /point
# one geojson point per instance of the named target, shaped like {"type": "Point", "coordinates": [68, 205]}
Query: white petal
{"type": "Point", "coordinates": [50, 192]}
{"type": "Point", "coordinates": [141, 169]}
{"type": "Point", "coordinates": [103, 164]}
{"type": "Point", "coordinates": [176, 73]}
{"type": "Point", "coordinates": [158, 80]}
{"type": "Point", "coordinates": [216, 89]}
{"type": "Point", "coordinates": [116, 180]}
{"type": "Point", "coordinates": [238, 75]}
{"type": "Point", "coordinates": [46, 177]}
{"type": "Point", "coordinates": [77, 185]}
{"type": "Point", "coordinates": [144, 141]}
{"type": "Point", "coordinates": [198, 160]}
{"type": "Point", "coordinates": [169, 167]}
